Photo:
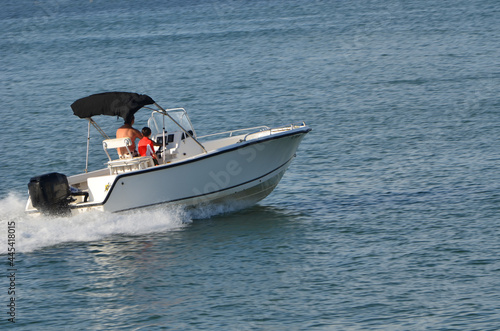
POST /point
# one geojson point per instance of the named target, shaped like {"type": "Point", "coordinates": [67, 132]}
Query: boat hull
{"type": "Point", "coordinates": [243, 174]}
{"type": "Point", "coordinates": [240, 174]}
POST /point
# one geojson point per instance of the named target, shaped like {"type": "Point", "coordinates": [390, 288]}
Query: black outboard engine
{"type": "Point", "coordinates": [50, 194]}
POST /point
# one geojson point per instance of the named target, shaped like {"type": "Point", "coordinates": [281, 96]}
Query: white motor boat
{"type": "Point", "coordinates": [237, 166]}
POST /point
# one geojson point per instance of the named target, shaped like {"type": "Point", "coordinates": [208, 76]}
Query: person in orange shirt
{"type": "Point", "coordinates": [146, 146]}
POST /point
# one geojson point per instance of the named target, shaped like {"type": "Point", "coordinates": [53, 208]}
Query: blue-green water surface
{"type": "Point", "coordinates": [387, 219]}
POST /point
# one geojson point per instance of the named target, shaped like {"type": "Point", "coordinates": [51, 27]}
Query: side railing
{"type": "Point", "coordinates": [256, 130]}
{"type": "Point", "coordinates": [274, 130]}
{"type": "Point", "coordinates": [236, 132]}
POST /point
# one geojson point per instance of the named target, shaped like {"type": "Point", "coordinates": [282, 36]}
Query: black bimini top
{"type": "Point", "coordinates": [123, 104]}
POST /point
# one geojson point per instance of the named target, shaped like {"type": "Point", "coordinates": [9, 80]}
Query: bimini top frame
{"type": "Point", "coordinates": [122, 104]}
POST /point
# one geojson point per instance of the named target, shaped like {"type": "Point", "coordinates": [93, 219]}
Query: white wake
{"type": "Point", "coordinates": [32, 233]}
{"type": "Point", "coordinates": [36, 232]}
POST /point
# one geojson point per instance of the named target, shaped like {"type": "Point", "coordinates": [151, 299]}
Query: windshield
{"type": "Point", "coordinates": [158, 121]}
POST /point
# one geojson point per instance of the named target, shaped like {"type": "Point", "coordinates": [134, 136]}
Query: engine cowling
{"type": "Point", "coordinates": [50, 193]}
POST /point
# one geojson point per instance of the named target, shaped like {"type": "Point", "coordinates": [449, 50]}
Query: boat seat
{"type": "Point", "coordinates": [125, 164]}
{"type": "Point", "coordinates": [117, 143]}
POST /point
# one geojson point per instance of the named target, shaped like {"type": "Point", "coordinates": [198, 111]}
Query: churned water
{"type": "Point", "coordinates": [387, 219]}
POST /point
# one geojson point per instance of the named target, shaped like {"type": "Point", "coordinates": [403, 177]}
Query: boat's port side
{"type": "Point", "coordinates": [99, 187]}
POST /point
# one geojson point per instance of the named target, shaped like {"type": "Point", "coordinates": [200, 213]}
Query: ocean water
{"type": "Point", "coordinates": [387, 219]}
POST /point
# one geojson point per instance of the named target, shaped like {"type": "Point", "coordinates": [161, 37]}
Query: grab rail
{"type": "Point", "coordinates": [262, 128]}
{"type": "Point", "coordinates": [277, 129]}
